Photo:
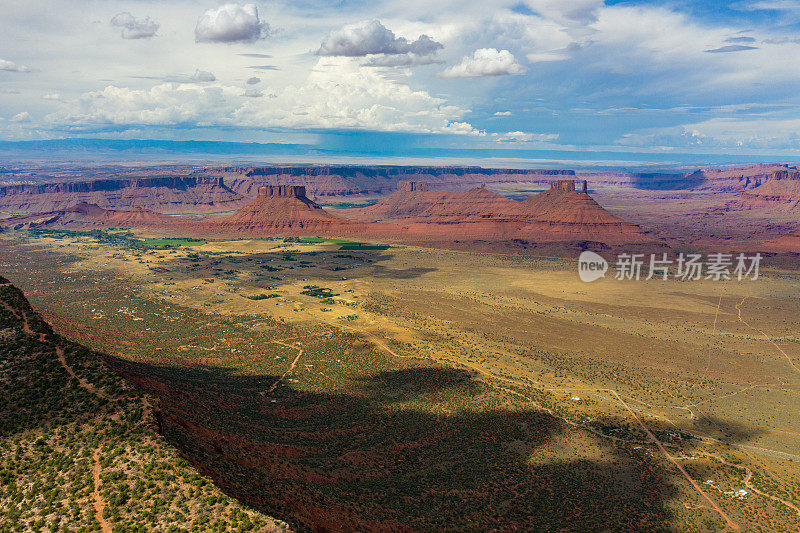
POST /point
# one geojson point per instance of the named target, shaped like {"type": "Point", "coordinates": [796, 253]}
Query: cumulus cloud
{"type": "Point", "coordinates": [231, 23]}
{"type": "Point", "coordinates": [21, 117]}
{"type": "Point", "coordinates": [253, 81]}
{"type": "Point", "coordinates": [484, 62]}
{"type": "Point", "coordinates": [502, 113]}
{"type": "Point", "coordinates": [731, 48]}
{"type": "Point", "coordinates": [339, 93]}
{"type": "Point", "coordinates": [10, 66]}
{"type": "Point", "coordinates": [371, 38]}
{"type": "Point", "coordinates": [522, 136]}
{"type": "Point", "coordinates": [134, 28]}
{"type": "Point", "coordinates": [51, 96]}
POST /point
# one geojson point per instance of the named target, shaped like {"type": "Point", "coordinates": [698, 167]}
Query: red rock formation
{"type": "Point", "coordinates": [781, 191]}
{"type": "Point", "coordinates": [563, 214]}
{"type": "Point", "coordinates": [349, 180]}
{"type": "Point", "coordinates": [734, 179]}
{"type": "Point", "coordinates": [560, 214]}
{"type": "Point", "coordinates": [177, 194]}
{"type": "Point", "coordinates": [85, 215]}
{"type": "Point", "coordinates": [279, 208]}
{"type": "Point", "coordinates": [414, 203]}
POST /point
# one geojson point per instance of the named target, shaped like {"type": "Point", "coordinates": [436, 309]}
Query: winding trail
{"type": "Point", "coordinates": [713, 332]}
{"type": "Point", "coordinates": [97, 498]}
{"type": "Point", "coordinates": [748, 483]}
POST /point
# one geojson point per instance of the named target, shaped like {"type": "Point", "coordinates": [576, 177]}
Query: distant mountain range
{"type": "Point", "coordinates": [97, 150]}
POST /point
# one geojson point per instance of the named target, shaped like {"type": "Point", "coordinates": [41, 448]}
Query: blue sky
{"type": "Point", "coordinates": [664, 78]}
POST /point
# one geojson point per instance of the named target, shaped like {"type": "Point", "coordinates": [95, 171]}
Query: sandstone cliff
{"type": "Point", "coordinates": [781, 191]}
{"type": "Point", "coordinates": [168, 194]}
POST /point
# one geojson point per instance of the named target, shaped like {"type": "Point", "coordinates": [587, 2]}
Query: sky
{"type": "Point", "coordinates": [639, 77]}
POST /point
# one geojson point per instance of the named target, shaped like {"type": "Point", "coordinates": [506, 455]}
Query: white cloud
{"type": "Point", "coordinates": [21, 117]}
{"type": "Point", "coordinates": [522, 136]}
{"type": "Point", "coordinates": [401, 60]}
{"type": "Point", "coordinates": [372, 37]}
{"type": "Point", "coordinates": [134, 28]}
{"type": "Point", "coordinates": [10, 66]}
{"type": "Point", "coordinates": [338, 94]}
{"type": "Point", "coordinates": [568, 11]}
{"type": "Point", "coordinates": [485, 62]}
{"type": "Point", "coordinates": [51, 96]}
{"type": "Point", "coordinates": [728, 133]}
{"type": "Point", "coordinates": [231, 23]}
{"type": "Point", "coordinates": [502, 114]}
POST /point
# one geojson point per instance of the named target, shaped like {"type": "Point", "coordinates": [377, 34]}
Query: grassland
{"type": "Point", "coordinates": [419, 388]}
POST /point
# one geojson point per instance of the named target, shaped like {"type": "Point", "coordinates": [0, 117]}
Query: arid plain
{"type": "Point", "coordinates": [373, 383]}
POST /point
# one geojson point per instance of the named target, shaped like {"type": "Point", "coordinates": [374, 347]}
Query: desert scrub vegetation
{"type": "Point", "coordinates": [52, 425]}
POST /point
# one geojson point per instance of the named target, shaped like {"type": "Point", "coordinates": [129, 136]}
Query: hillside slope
{"type": "Point", "coordinates": [77, 446]}
{"type": "Point", "coordinates": [85, 215]}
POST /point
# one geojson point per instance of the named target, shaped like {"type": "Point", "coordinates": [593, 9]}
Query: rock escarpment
{"type": "Point", "coordinates": [734, 179]}
{"type": "Point", "coordinates": [379, 179]}
{"type": "Point", "coordinates": [167, 194]}
{"type": "Point", "coordinates": [781, 191]}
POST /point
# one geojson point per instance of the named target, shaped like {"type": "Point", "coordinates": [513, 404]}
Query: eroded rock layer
{"type": "Point", "coordinates": [167, 194]}
{"type": "Point", "coordinates": [781, 191]}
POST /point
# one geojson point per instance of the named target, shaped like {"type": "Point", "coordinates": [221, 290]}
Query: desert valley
{"type": "Point", "coordinates": [398, 349]}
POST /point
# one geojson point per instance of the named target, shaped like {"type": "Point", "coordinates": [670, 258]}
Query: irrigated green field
{"type": "Point", "coordinates": [408, 388]}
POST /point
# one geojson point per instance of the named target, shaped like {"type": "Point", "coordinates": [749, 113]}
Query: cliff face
{"type": "Point", "coordinates": [165, 194]}
{"type": "Point", "coordinates": [563, 214]}
{"type": "Point", "coordinates": [781, 191]}
{"type": "Point", "coordinates": [343, 181]}
{"type": "Point", "coordinates": [734, 179]}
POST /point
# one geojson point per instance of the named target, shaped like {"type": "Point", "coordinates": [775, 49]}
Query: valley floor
{"type": "Point", "coordinates": [415, 388]}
